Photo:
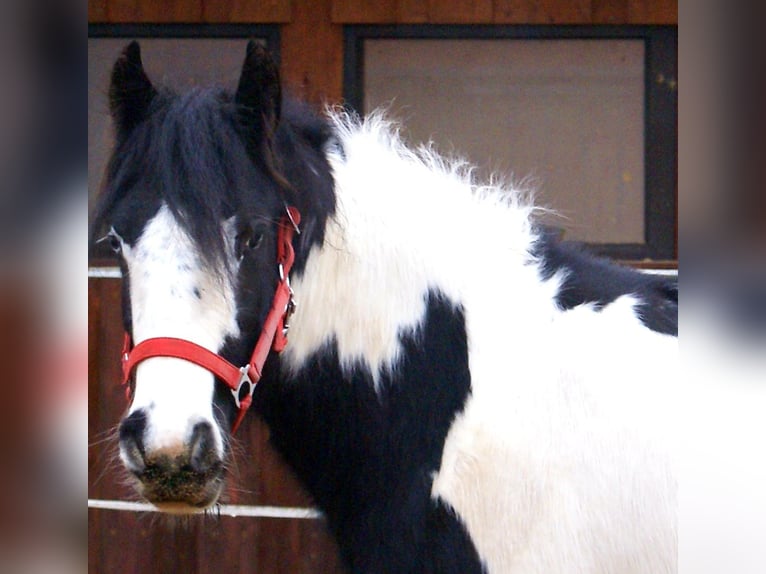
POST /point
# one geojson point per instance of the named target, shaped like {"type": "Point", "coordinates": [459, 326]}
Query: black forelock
{"type": "Point", "coordinates": [203, 170]}
{"type": "Point", "coordinates": [179, 155]}
{"type": "Point", "coordinates": [193, 153]}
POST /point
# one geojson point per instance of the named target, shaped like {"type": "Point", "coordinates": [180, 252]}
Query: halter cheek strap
{"type": "Point", "coordinates": [241, 380]}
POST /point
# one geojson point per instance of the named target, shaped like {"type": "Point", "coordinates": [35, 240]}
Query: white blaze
{"type": "Point", "coordinates": [172, 294]}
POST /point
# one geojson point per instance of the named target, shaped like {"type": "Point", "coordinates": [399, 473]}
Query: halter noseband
{"type": "Point", "coordinates": [241, 380]}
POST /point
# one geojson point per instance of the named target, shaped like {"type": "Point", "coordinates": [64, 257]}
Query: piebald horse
{"type": "Point", "coordinates": [458, 391]}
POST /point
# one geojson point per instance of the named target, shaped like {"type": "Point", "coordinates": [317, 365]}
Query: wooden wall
{"type": "Point", "coordinates": [312, 64]}
{"type": "Point", "coordinates": [312, 30]}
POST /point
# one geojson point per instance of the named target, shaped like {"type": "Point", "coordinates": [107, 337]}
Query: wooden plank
{"type": "Point", "coordinates": [516, 12]}
{"type": "Point", "coordinates": [610, 11]}
{"type": "Point", "coordinates": [106, 398]}
{"type": "Point", "coordinates": [412, 11]}
{"type": "Point", "coordinates": [170, 10]}
{"type": "Point", "coordinates": [119, 11]}
{"type": "Point", "coordinates": [312, 53]}
{"type": "Point", "coordinates": [363, 11]}
{"type": "Point", "coordinates": [244, 11]}
{"type": "Point", "coordinates": [460, 11]}
{"type": "Point", "coordinates": [404, 11]}
{"type": "Point", "coordinates": [97, 11]}
{"type": "Point", "coordinates": [132, 543]}
{"type": "Point", "coordinates": [653, 11]}
{"type": "Point", "coordinates": [138, 11]}
{"type": "Point", "coordinates": [542, 12]}
{"type": "Point", "coordinates": [393, 11]}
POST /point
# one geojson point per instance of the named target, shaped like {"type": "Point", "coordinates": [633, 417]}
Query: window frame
{"type": "Point", "coordinates": [660, 108]}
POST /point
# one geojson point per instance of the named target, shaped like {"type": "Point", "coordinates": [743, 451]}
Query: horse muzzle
{"type": "Point", "coordinates": [184, 477]}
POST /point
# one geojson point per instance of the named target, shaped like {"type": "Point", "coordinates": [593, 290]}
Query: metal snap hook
{"type": "Point", "coordinates": [243, 380]}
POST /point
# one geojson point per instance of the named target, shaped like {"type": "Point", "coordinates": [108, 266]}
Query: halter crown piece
{"type": "Point", "coordinates": [241, 380]}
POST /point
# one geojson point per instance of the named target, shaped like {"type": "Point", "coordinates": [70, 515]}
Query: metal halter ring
{"type": "Point", "coordinates": [289, 310]}
{"type": "Point", "coordinates": [244, 380]}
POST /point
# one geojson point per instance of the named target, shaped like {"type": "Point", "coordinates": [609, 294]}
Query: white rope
{"type": "Point", "coordinates": [104, 272]}
{"type": "Point", "coordinates": [233, 510]}
{"type": "Point", "coordinates": [115, 273]}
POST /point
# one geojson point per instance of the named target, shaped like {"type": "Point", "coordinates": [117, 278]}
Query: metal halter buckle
{"type": "Point", "coordinates": [292, 220]}
{"type": "Point", "coordinates": [291, 303]}
{"type": "Point", "coordinates": [244, 379]}
{"type": "Point", "coordinates": [289, 310]}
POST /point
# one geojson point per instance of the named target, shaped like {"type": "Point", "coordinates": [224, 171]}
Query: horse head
{"type": "Point", "coordinates": [195, 197]}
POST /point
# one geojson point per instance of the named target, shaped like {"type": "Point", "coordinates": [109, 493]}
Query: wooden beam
{"type": "Point", "coordinates": [245, 11]}
{"type": "Point", "coordinates": [97, 11]}
{"type": "Point", "coordinates": [653, 11]}
{"type": "Point", "coordinates": [364, 11]}
{"type": "Point", "coordinates": [460, 11]}
{"type": "Point", "coordinates": [412, 11]}
{"type": "Point", "coordinates": [312, 53]}
{"type": "Point", "coordinates": [140, 11]}
{"type": "Point", "coordinates": [542, 12]}
{"type": "Point", "coordinates": [610, 11]}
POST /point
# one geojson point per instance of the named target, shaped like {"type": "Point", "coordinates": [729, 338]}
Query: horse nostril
{"type": "Point", "coordinates": [132, 441]}
{"type": "Point", "coordinates": [203, 456]}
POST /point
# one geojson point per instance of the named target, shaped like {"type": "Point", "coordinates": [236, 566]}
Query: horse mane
{"type": "Point", "coordinates": [381, 127]}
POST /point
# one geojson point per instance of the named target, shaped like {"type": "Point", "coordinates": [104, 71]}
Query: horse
{"type": "Point", "coordinates": [456, 389]}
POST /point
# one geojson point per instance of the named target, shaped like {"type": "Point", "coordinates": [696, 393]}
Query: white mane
{"type": "Point", "coordinates": [409, 221]}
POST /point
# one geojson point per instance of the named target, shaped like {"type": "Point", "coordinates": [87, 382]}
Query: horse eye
{"type": "Point", "coordinates": [254, 240]}
{"type": "Point", "coordinates": [248, 240]}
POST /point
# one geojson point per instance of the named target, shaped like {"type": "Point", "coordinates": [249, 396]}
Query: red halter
{"type": "Point", "coordinates": [273, 335]}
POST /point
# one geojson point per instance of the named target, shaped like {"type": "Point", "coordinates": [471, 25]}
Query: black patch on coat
{"type": "Point", "coordinates": [590, 279]}
{"type": "Point", "coordinates": [368, 458]}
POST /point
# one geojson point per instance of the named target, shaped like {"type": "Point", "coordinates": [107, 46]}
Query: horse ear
{"type": "Point", "coordinates": [130, 92]}
{"type": "Point", "coordinates": [259, 88]}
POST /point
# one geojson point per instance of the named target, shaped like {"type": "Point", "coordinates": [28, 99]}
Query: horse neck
{"type": "Point", "coordinates": [405, 226]}
{"type": "Point", "coordinates": [376, 367]}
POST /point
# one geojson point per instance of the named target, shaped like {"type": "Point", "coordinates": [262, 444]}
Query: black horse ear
{"type": "Point", "coordinates": [259, 90]}
{"type": "Point", "coordinates": [130, 92]}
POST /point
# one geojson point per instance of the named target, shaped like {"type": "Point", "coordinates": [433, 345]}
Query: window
{"type": "Point", "coordinates": [587, 113]}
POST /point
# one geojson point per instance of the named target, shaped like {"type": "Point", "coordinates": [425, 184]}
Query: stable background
{"type": "Point", "coordinates": [310, 36]}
